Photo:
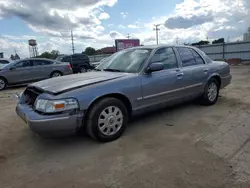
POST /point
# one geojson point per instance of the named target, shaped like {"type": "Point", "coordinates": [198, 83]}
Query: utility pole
{"type": "Point", "coordinates": [157, 29]}
{"type": "Point", "coordinates": [128, 36]}
{"type": "Point", "coordinates": [72, 42]}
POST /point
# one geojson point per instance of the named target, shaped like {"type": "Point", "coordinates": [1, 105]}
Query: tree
{"type": "Point", "coordinates": [89, 51]}
{"type": "Point", "coordinates": [202, 42]}
{"type": "Point", "coordinates": [220, 40]}
{"type": "Point", "coordinates": [49, 55]}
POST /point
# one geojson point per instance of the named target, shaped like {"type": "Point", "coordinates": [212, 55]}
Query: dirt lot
{"type": "Point", "coordinates": [186, 146]}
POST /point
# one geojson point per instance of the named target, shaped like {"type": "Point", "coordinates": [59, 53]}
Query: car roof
{"type": "Point", "coordinates": [160, 46]}
{"type": "Point", "coordinates": [40, 59]}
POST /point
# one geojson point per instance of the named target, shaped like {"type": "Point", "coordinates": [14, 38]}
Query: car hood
{"type": "Point", "coordinates": [66, 83]}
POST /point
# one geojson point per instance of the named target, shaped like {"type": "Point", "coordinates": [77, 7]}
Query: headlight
{"type": "Point", "coordinates": [52, 106]}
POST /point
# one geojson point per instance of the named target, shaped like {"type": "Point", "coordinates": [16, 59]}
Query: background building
{"type": "Point", "coordinates": [246, 36]}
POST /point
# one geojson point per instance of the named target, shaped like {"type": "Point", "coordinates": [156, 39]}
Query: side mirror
{"type": "Point", "coordinates": [12, 68]}
{"type": "Point", "coordinates": [153, 67]}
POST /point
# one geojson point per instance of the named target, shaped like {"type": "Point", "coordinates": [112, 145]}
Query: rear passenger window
{"type": "Point", "coordinates": [197, 57]}
{"type": "Point", "coordinates": [3, 62]}
{"type": "Point", "coordinates": [166, 56]}
{"type": "Point", "coordinates": [186, 57]}
{"type": "Point", "coordinates": [41, 62]}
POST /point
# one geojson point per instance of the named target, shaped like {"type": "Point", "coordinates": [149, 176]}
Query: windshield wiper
{"type": "Point", "coordinates": [112, 70]}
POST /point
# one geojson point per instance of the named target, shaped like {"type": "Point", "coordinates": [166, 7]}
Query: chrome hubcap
{"type": "Point", "coordinates": [2, 84]}
{"type": "Point", "coordinates": [212, 91]}
{"type": "Point", "coordinates": [110, 120]}
{"type": "Point", "coordinates": [56, 74]}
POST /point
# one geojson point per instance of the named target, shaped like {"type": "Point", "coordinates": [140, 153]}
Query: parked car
{"type": "Point", "coordinates": [79, 62]}
{"type": "Point", "coordinates": [4, 61]}
{"type": "Point", "coordinates": [30, 70]}
{"type": "Point", "coordinates": [95, 64]}
{"type": "Point", "coordinates": [127, 83]}
{"type": "Point", "coordinates": [60, 57]}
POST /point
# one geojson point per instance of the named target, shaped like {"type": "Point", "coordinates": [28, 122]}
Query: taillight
{"type": "Point", "coordinates": [69, 66]}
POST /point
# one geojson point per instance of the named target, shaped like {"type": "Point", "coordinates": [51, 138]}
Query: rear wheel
{"type": "Point", "coordinates": [3, 84]}
{"type": "Point", "coordinates": [107, 120]}
{"type": "Point", "coordinates": [211, 92]}
{"type": "Point", "coordinates": [56, 74]}
{"type": "Point", "coordinates": [83, 69]}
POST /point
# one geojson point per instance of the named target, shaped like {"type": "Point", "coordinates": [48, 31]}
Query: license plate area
{"type": "Point", "coordinates": [22, 115]}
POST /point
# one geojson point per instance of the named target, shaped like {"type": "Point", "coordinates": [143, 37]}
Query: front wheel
{"type": "Point", "coordinates": [107, 120]}
{"type": "Point", "coordinates": [3, 84]}
{"type": "Point", "coordinates": [211, 92]}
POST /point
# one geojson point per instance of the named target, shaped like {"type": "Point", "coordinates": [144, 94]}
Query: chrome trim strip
{"type": "Point", "coordinates": [51, 119]}
{"type": "Point", "coordinates": [195, 85]}
{"type": "Point", "coordinates": [171, 91]}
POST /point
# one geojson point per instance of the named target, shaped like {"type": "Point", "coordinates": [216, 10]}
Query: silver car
{"type": "Point", "coordinates": [30, 70]}
{"type": "Point", "coordinates": [129, 82]}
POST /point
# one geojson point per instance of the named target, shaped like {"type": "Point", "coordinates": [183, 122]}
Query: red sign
{"type": "Point", "coordinates": [122, 44]}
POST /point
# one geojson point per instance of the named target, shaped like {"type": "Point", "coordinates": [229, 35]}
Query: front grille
{"type": "Point", "coordinates": [31, 94]}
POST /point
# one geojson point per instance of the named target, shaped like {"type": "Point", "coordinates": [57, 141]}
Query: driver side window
{"type": "Point", "coordinates": [166, 56]}
{"type": "Point", "coordinates": [23, 64]}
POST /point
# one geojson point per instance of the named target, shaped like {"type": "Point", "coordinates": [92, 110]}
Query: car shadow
{"type": "Point", "coordinates": [83, 140]}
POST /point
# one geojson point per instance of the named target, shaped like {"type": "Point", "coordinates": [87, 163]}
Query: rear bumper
{"type": "Point", "coordinates": [50, 125]}
{"type": "Point", "coordinates": [67, 72]}
{"type": "Point", "coordinates": [225, 81]}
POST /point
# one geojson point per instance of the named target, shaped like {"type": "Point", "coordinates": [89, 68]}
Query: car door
{"type": "Point", "coordinates": [162, 85]}
{"type": "Point", "coordinates": [20, 72]}
{"type": "Point", "coordinates": [194, 69]}
{"type": "Point", "coordinates": [42, 68]}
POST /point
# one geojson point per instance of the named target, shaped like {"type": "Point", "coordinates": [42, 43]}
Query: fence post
{"type": "Point", "coordinates": [223, 50]}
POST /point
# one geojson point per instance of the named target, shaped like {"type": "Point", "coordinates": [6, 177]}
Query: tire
{"type": "Point", "coordinates": [211, 93]}
{"type": "Point", "coordinates": [83, 69]}
{"type": "Point", "coordinates": [55, 74]}
{"type": "Point", "coordinates": [107, 120]}
{"type": "Point", "coordinates": [3, 83]}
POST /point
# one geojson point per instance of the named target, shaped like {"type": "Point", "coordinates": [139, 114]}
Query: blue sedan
{"type": "Point", "coordinates": [127, 83]}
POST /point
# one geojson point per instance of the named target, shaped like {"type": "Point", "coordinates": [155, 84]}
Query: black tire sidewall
{"type": "Point", "coordinates": [205, 97]}
{"type": "Point", "coordinates": [54, 73]}
{"type": "Point", "coordinates": [83, 67]}
{"type": "Point", "coordinates": [95, 131]}
{"type": "Point", "coordinates": [4, 83]}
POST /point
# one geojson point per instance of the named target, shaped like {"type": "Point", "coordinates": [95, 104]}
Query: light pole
{"type": "Point", "coordinates": [157, 29]}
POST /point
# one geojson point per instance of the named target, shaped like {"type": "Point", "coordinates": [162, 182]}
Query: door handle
{"type": "Point", "coordinates": [180, 75]}
{"type": "Point", "coordinates": [205, 70]}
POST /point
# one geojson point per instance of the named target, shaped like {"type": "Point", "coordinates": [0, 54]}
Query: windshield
{"type": "Point", "coordinates": [2, 65]}
{"type": "Point", "coordinates": [59, 58]}
{"type": "Point", "coordinates": [130, 60]}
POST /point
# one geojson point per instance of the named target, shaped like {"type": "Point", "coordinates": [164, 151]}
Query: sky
{"type": "Point", "coordinates": [97, 23]}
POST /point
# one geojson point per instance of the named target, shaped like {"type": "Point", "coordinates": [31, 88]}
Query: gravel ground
{"type": "Point", "coordinates": [185, 146]}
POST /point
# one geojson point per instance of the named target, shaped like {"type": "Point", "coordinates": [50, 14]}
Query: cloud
{"type": "Point", "coordinates": [55, 17]}
{"type": "Point", "coordinates": [121, 26]}
{"type": "Point", "coordinates": [182, 22]}
{"type": "Point", "coordinates": [104, 16]}
{"type": "Point", "coordinates": [194, 20]}
{"type": "Point", "coordinates": [124, 15]}
{"type": "Point", "coordinates": [132, 26]}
